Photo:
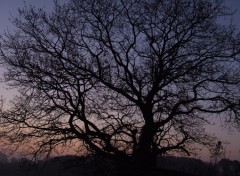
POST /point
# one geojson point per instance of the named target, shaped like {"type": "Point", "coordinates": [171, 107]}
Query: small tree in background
{"type": "Point", "coordinates": [217, 153]}
{"type": "Point", "coordinates": [131, 79]}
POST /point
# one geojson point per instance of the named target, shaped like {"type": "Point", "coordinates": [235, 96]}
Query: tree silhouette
{"type": "Point", "coordinates": [217, 153]}
{"type": "Point", "coordinates": [129, 78]}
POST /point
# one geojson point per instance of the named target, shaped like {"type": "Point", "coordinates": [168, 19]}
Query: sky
{"type": "Point", "coordinates": [9, 8]}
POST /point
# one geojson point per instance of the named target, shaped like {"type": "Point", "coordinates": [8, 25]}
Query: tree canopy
{"type": "Point", "coordinates": [125, 78]}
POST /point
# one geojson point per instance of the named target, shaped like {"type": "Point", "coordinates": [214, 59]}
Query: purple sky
{"type": "Point", "coordinates": [9, 7]}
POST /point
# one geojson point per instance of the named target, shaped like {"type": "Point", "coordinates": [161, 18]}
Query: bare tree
{"type": "Point", "coordinates": [128, 78]}
{"type": "Point", "coordinates": [217, 153]}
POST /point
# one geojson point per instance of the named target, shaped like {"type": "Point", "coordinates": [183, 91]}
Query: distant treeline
{"type": "Point", "coordinates": [224, 167]}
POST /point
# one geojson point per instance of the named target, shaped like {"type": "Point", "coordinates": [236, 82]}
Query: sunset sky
{"type": "Point", "coordinates": [9, 8]}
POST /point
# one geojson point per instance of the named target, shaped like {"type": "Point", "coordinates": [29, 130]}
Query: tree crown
{"type": "Point", "coordinates": [125, 78]}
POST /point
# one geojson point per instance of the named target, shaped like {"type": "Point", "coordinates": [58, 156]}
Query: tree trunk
{"type": "Point", "coordinates": [144, 156]}
{"type": "Point", "coordinates": [143, 159]}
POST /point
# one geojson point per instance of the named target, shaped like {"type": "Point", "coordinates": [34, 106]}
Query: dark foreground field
{"type": "Point", "coordinates": [78, 166]}
{"type": "Point", "coordinates": [155, 172]}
